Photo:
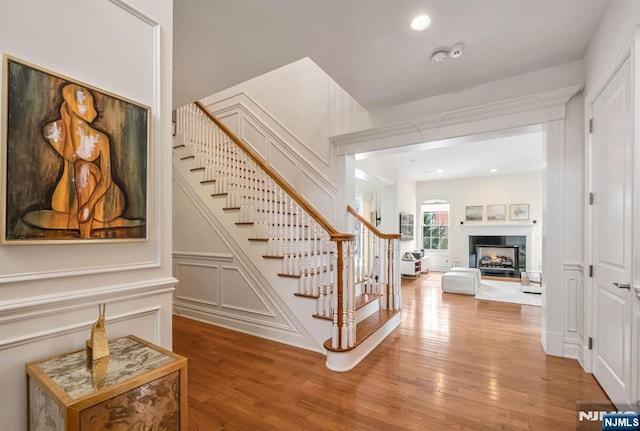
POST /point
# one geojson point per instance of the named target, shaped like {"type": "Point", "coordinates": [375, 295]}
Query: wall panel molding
{"type": "Point", "coordinates": [83, 326]}
{"type": "Point", "coordinates": [291, 157]}
{"type": "Point", "coordinates": [259, 115]}
{"type": "Point", "coordinates": [63, 302]}
{"type": "Point", "coordinates": [147, 257]}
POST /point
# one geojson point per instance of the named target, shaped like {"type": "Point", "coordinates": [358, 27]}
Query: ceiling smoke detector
{"type": "Point", "coordinates": [456, 50]}
{"type": "Point", "coordinates": [439, 57]}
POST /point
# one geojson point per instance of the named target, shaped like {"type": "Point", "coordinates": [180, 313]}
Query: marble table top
{"type": "Point", "coordinates": [128, 358]}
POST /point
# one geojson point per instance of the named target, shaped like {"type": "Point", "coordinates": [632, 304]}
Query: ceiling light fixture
{"type": "Point", "coordinates": [421, 22]}
{"type": "Point", "coordinates": [493, 171]}
{"type": "Point", "coordinates": [440, 171]}
{"type": "Point", "coordinates": [439, 56]}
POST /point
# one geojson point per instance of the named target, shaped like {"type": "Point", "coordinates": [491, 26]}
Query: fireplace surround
{"type": "Point", "coordinates": [498, 255]}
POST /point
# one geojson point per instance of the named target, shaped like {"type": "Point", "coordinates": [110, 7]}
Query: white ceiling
{"type": "Point", "coordinates": [368, 48]}
{"type": "Point", "coordinates": [509, 152]}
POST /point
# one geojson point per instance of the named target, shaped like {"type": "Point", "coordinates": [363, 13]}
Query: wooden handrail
{"type": "Point", "coordinates": [371, 227]}
{"type": "Point", "coordinates": [288, 188]}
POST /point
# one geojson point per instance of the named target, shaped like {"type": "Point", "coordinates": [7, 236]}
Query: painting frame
{"type": "Point", "coordinates": [519, 212]}
{"type": "Point", "coordinates": [473, 212]}
{"type": "Point", "coordinates": [406, 227]}
{"type": "Point", "coordinates": [496, 212]}
{"type": "Point", "coordinates": [75, 160]}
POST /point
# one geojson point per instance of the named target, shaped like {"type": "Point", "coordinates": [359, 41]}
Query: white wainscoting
{"type": "Point", "coordinates": [34, 328]}
{"type": "Point", "coordinates": [309, 170]}
{"type": "Point", "coordinates": [573, 313]}
{"type": "Point", "coordinates": [440, 262]}
{"type": "Point", "coordinates": [214, 288]}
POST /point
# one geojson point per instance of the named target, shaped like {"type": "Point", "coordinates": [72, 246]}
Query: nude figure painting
{"type": "Point", "coordinates": [76, 161]}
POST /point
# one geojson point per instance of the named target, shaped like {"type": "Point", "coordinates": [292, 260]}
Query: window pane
{"type": "Point", "coordinates": [426, 243]}
{"type": "Point", "coordinates": [435, 229]}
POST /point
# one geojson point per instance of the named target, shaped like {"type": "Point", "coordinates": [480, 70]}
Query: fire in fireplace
{"type": "Point", "coordinates": [498, 255]}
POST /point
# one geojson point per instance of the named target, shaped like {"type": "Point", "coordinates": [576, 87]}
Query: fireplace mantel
{"type": "Point", "coordinates": [498, 229]}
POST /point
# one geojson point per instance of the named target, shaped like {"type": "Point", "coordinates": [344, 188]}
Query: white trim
{"type": "Point", "coordinates": [571, 349]}
{"type": "Point", "coordinates": [45, 275]}
{"type": "Point", "coordinates": [81, 327]}
{"type": "Point", "coordinates": [573, 266]}
{"type": "Point", "coordinates": [34, 306]}
{"type": "Point", "coordinates": [554, 343]}
{"type": "Point", "coordinates": [142, 17]}
{"type": "Point", "coordinates": [191, 255]}
{"type": "Point", "coordinates": [210, 100]}
{"type": "Point", "coordinates": [527, 110]}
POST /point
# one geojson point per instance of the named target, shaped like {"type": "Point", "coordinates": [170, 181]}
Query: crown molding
{"type": "Point", "coordinates": [523, 111]}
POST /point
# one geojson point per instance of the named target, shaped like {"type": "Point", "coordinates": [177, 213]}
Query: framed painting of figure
{"type": "Point", "coordinates": [74, 160]}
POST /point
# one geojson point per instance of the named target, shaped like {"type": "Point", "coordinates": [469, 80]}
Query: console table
{"type": "Point", "coordinates": [138, 386]}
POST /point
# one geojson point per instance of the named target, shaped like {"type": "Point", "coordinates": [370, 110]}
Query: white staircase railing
{"type": "Point", "coordinates": [327, 263]}
{"type": "Point", "coordinates": [377, 259]}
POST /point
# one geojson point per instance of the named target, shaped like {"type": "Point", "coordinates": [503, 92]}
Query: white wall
{"type": "Point", "coordinates": [49, 293]}
{"type": "Point", "coordinates": [574, 189]}
{"type": "Point", "coordinates": [490, 190]}
{"type": "Point", "coordinates": [405, 193]}
{"type": "Point", "coordinates": [565, 75]}
{"type": "Point", "coordinates": [615, 29]}
{"type": "Point", "coordinates": [287, 115]}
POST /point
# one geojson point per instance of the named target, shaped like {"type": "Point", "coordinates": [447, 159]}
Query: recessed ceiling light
{"type": "Point", "coordinates": [493, 171]}
{"type": "Point", "coordinates": [421, 22]}
{"type": "Point", "coordinates": [440, 171]}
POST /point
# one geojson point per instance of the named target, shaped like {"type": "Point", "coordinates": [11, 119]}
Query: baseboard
{"type": "Point", "coordinates": [553, 343]}
{"type": "Point", "coordinates": [257, 329]}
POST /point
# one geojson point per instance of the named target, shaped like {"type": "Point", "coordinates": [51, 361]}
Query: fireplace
{"type": "Point", "coordinates": [502, 256]}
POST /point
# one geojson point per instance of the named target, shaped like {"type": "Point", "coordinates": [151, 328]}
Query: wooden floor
{"type": "Point", "coordinates": [453, 364]}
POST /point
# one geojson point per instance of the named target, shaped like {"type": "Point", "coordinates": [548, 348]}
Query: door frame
{"type": "Point", "coordinates": [629, 51]}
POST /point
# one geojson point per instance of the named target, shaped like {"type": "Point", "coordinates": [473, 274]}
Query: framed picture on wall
{"type": "Point", "coordinates": [496, 212]}
{"type": "Point", "coordinates": [406, 226]}
{"type": "Point", "coordinates": [75, 160]}
{"type": "Point", "coordinates": [519, 211]}
{"type": "Point", "coordinates": [473, 213]}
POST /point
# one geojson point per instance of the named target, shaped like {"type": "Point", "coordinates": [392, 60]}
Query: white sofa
{"type": "Point", "coordinates": [462, 282]}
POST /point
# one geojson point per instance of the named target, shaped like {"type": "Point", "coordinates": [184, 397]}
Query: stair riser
{"type": "Point", "coordinates": [367, 310]}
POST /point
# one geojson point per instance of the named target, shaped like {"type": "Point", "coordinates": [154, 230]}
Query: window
{"type": "Point", "coordinates": [435, 225]}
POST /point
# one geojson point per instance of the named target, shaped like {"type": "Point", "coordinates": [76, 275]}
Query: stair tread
{"type": "Point", "coordinates": [366, 328]}
{"type": "Point", "coordinates": [361, 300]}
{"type": "Point", "coordinates": [364, 299]}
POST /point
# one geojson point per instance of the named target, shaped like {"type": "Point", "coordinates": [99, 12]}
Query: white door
{"type": "Point", "coordinates": [612, 140]}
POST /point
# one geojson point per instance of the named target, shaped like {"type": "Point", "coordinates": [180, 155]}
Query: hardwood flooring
{"type": "Point", "coordinates": [454, 363]}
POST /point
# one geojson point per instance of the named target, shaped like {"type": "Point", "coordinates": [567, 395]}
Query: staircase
{"type": "Point", "coordinates": [352, 279]}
